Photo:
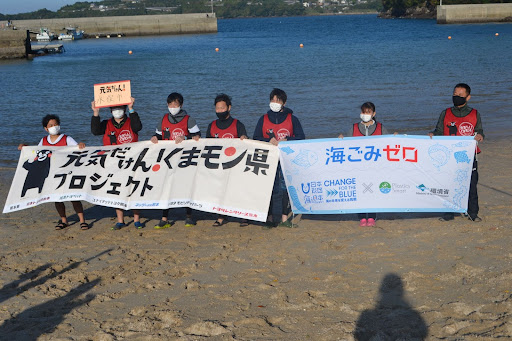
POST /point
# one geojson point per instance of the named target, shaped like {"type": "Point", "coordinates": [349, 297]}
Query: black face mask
{"type": "Point", "coordinates": [223, 115]}
{"type": "Point", "coordinates": [458, 100]}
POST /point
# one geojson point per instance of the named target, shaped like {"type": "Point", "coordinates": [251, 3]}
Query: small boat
{"type": "Point", "coordinates": [45, 35]}
{"type": "Point", "coordinates": [72, 33]}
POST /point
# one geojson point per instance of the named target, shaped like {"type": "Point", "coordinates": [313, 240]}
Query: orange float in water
{"type": "Point", "coordinates": [216, 49]}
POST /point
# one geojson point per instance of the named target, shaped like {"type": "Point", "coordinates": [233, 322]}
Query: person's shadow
{"type": "Point", "coordinates": [44, 318]}
{"type": "Point", "coordinates": [392, 318]}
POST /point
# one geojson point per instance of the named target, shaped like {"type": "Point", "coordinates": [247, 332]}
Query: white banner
{"type": "Point", "coordinates": [225, 176]}
{"type": "Point", "coordinates": [378, 174]}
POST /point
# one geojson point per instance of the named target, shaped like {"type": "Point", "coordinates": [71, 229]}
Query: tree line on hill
{"type": "Point", "coordinates": [222, 8]}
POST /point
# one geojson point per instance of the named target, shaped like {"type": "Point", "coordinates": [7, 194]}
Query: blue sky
{"type": "Point", "coordinates": [22, 6]}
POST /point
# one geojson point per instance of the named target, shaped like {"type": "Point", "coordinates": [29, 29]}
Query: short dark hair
{"type": "Point", "coordinates": [280, 94]}
{"type": "Point", "coordinates": [465, 86]}
{"type": "Point", "coordinates": [48, 118]}
{"type": "Point", "coordinates": [119, 106]}
{"type": "Point", "coordinates": [175, 97]}
{"type": "Point", "coordinates": [368, 106]}
{"type": "Point", "coordinates": [223, 98]}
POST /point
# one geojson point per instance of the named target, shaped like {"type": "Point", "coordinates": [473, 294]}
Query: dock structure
{"type": "Point", "coordinates": [41, 50]}
{"type": "Point", "coordinates": [15, 43]}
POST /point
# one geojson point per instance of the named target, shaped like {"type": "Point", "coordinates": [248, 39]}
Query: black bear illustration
{"type": "Point", "coordinates": [113, 138]}
{"type": "Point", "coordinates": [271, 134]}
{"type": "Point", "coordinates": [452, 129]}
{"type": "Point", "coordinates": [38, 171]}
{"type": "Point", "coordinates": [166, 134]}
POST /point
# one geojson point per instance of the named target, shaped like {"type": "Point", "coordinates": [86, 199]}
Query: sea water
{"type": "Point", "coordinates": [407, 68]}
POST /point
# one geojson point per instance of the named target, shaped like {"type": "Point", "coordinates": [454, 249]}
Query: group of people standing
{"type": "Point", "coordinates": [278, 124]}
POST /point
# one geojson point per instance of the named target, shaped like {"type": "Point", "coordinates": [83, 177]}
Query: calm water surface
{"type": "Point", "coordinates": [406, 67]}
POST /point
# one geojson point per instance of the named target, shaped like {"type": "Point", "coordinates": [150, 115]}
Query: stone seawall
{"type": "Point", "coordinates": [12, 42]}
{"type": "Point", "coordinates": [139, 25]}
{"type": "Point", "coordinates": [478, 13]}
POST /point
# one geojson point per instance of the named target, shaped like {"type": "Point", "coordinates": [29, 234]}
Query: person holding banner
{"type": "Point", "coordinates": [51, 123]}
{"type": "Point", "coordinates": [225, 127]}
{"type": "Point", "coordinates": [368, 126]}
{"type": "Point", "coordinates": [279, 124]}
{"type": "Point", "coordinates": [177, 125]}
{"type": "Point", "coordinates": [462, 120]}
{"type": "Point", "coordinates": [119, 129]}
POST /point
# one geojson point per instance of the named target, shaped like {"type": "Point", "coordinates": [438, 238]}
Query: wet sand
{"type": "Point", "coordinates": [411, 278]}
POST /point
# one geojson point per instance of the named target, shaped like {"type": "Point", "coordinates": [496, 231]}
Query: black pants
{"type": "Point", "coordinates": [279, 202]}
{"type": "Point", "coordinates": [165, 213]}
{"type": "Point", "coordinates": [473, 207]}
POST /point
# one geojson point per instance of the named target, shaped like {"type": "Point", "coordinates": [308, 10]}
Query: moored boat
{"type": "Point", "coordinates": [72, 33]}
{"type": "Point", "coordinates": [45, 35]}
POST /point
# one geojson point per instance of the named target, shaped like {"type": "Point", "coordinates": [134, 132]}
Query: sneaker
{"type": "Point", "coordinates": [269, 225]}
{"type": "Point", "coordinates": [371, 222]}
{"type": "Point", "coordinates": [189, 222]}
{"type": "Point", "coordinates": [286, 224]}
{"type": "Point", "coordinates": [138, 225]}
{"type": "Point", "coordinates": [163, 224]}
{"type": "Point", "coordinates": [118, 226]}
{"type": "Point", "coordinates": [363, 223]}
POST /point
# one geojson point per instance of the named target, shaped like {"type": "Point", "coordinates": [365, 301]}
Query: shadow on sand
{"type": "Point", "coordinates": [15, 288]}
{"type": "Point", "coordinates": [392, 318]}
{"type": "Point", "coordinates": [44, 318]}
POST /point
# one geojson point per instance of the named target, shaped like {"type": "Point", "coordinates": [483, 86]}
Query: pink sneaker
{"type": "Point", "coordinates": [363, 223]}
{"type": "Point", "coordinates": [371, 222]}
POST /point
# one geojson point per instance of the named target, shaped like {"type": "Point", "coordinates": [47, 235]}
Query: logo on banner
{"type": "Point", "coordinates": [466, 129]}
{"type": "Point", "coordinates": [440, 192]}
{"type": "Point", "coordinates": [385, 187]}
{"type": "Point", "coordinates": [422, 187]}
{"type": "Point", "coordinates": [308, 188]}
{"type": "Point", "coordinates": [125, 137]}
{"type": "Point", "coordinates": [400, 188]}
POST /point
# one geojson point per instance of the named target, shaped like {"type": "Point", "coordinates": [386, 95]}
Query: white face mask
{"type": "Point", "coordinates": [275, 107]}
{"type": "Point", "coordinates": [118, 113]}
{"type": "Point", "coordinates": [55, 130]}
{"type": "Point", "coordinates": [174, 111]}
{"type": "Point", "coordinates": [366, 117]}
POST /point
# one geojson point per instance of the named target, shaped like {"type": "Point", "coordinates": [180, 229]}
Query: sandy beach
{"type": "Point", "coordinates": [411, 278]}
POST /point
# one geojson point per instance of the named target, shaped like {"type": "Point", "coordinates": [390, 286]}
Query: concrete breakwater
{"type": "Point", "coordinates": [474, 13]}
{"type": "Point", "coordinates": [12, 42]}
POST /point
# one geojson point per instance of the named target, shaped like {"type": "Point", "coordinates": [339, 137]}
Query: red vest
{"type": "Point", "coordinates": [121, 135]}
{"type": "Point", "coordinates": [460, 126]}
{"type": "Point", "coordinates": [171, 131]}
{"type": "Point", "coordinates": [228, 133]}
{"type": "Point", "coordinates": [281, 130]}
{"type": "Point", "coordinates": [357, 132]}
{"type": "Point", "coordinates": [62, 142]}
